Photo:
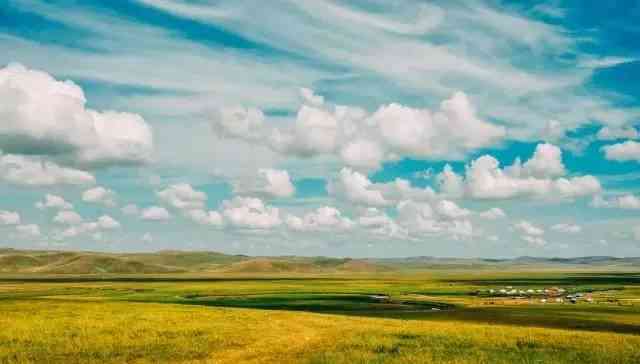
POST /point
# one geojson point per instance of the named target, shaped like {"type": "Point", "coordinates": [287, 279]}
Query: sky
{"type": "Point", "coordinates": [354, 128]}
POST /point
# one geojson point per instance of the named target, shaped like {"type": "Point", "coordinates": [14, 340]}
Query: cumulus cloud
{"type": "Point", "coordinates": [36, 171]}
{"type": "Point", "coordinates": [422, 218]}
{"type": "Point", "coordinates": [94, 228]}
{"type": "Point", "coordinates": [484, 179]}
{"type": "Point", "coordinates": [310, 97]}
{"type": "Point", "coordinates": [155, 213]}
{"type": "Point", "coordinates": [270, 183]}
{"type": "Point", "coordinates": [528, 228]}
{"type": "Point", "coordinates": [43, 115]}
{"type": "Point", "coordinates": [612, 133]}
{"type": "Point", "coordinates": [249, 212]}
{"type": "Point", "coordinates": [627, 151]}
{"type": "Point", "coordinates": [130, 209]}
{"type": "Point", "coordinates": [362, 154]}
{"type": "Point", "coordinates": [400, 189]}
{"type": "Point", "coordinates": [67, 217]}
{"type": "Point", "coordinates": [450, 131]}
{"type": "Point", "coordinates": [493, 213]}
{"type": "Point", "coordinates": [203, 217]}
{"type": "Point", "coordinates": [534, 241]}
{"type": "Point", "coordinates": [545, 162]}
{"type": "Point", "coordinates": [182, 196]}
{"type": "Point", "coordinates": [450, 210]}
{"type": "Point", "coordinates": [238, 122]}
{"type": "Point", "coordinates": [28, 230]}
{"type": "Point", "coordinates": [9, 218]}
{"type": "Point", "coordinates": [100, 195]}
{"type": "Point", "coordinates": [357, 188]}
{"type": "Point", "coordinates": [323, 219]}
{"type": "Point", "coordinates": [53, 202]}
{"type": "Point", "coordinates": [364, 140]}
{"type": "Point", "coordinates": [567, 228]}
{"type": "Point", "coordinates": [449, 182]}
{"type": "Point", "coordinates": [626, 201]}
{"type": "Point", "coordinates": [378, 222]}
{"type": "Point", "coordinates": [108, 223]}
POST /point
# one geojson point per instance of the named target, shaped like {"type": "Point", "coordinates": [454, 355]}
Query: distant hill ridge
{"type": "Point", "coordinates": [176, 261]}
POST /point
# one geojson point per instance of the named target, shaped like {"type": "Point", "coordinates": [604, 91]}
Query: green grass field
{"type": "Point", "coordinates": [438, 316]}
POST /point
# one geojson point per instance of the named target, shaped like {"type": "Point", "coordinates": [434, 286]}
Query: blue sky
{"type": "Point", "coordinates": [344, 128]}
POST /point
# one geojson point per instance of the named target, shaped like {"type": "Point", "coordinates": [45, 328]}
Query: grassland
{"type": "Point", "coordinates": [326, 315]}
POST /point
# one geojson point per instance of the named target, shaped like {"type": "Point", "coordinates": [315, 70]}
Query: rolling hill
{"type": "Point", "coordinates": [173, 261]}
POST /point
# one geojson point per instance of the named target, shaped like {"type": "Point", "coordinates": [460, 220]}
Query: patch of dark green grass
{"type": "Point", "coordinates": [337, 303]}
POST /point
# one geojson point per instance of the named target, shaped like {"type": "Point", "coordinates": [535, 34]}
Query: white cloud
{"type": "Point", "coordinates": [449, 182]}
{"type": "Point", "coordinates": [528, 228]}
{"type": "Point", "coordinates": [29, 230]}
{"type": "Point", "coordinates": [545, 162]}
{"type": "Point", "coordinates": [203, 217]}
{"type": "Point", "coordinates": [147, 237]}
{"type": "Point", "coordinates": [534, 241]}
{"type": "Point", "coordinates": [423, 219]}
{"type": "Point", "coordinates": [40, 113]}
{"type": "Point", "coordinates": [366, 140]}
{"type": "Point", "coordinates": [249, 212]}
{"type": "Point", "coordinates": [476, 45]}
{"type": "Point", "coordinates": [68, 217]}
{"type": "Point", "coordinates": [106, 222]}
{"type": "Point", "coordinates": [323, 219]}
{"type": "Point", "coordinates": [182, 196]}
{"type": "Point", "coordinates": [553, 131]}
{"type": "Point", "coordinates": [155, 213]}
{"type": "Point", "coordinates": [356, 188]}
{"type": "Point", "coordinates": [636, 232]}
{"type": "Point", "coordinates": [484, 179]}
{"type": "Point", "coordinates": [450, 210]}
{"type": "Point", "coordinates": [9, 218]}
{"type": "Point", "coordinates": [95, 228]}
{"type": "Point", "coordinates": [238, 122]}
{"type": "Point", "coordinates": [627, 151]}
{"type": "Point", "coordinates": [550, 9]}
{"type": "Point", "coordinates": [378, 222]}
{"type": "Point", "coordinates": [450, 131]}
{"type": "Point", "coordinates": [493, 213]}
{"type": "Point", "coordinates": [310, 97]}
{"type": "Point", "coordinates": [604, 62]}
{"type": "Point", "coordinates": [100, 195]}
{"type": "Point", "coordinates": [567, 228]}
{"type": "Point", "coordinates": [35, 171]}
{"type": "Point", "coordinates": [362, 154]}
{"type": "Point", "coordinates": [54, 202]}
{"type": "Point", "coordinates": [270, 183]}
{"type": "Point", "coordinates": [626, 201]}
{"type": "Point", "coordinates": [278, 183]}
{"type": "Point", "coordinates": [613, 133]}
{"type": "Point", "coordinates": [130, 209]}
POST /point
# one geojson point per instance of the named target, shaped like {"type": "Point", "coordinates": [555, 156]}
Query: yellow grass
{"type": "Point", "coordinates": [58, 331]}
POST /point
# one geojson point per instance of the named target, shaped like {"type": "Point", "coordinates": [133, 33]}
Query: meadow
{"type": "Point", "coordinates": [433, 316]}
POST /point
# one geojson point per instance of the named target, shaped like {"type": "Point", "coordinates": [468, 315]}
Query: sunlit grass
{"type": "Point", "coordinates": [43, 331]}
{"type": "Point", "coordinates": [319, 319]}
